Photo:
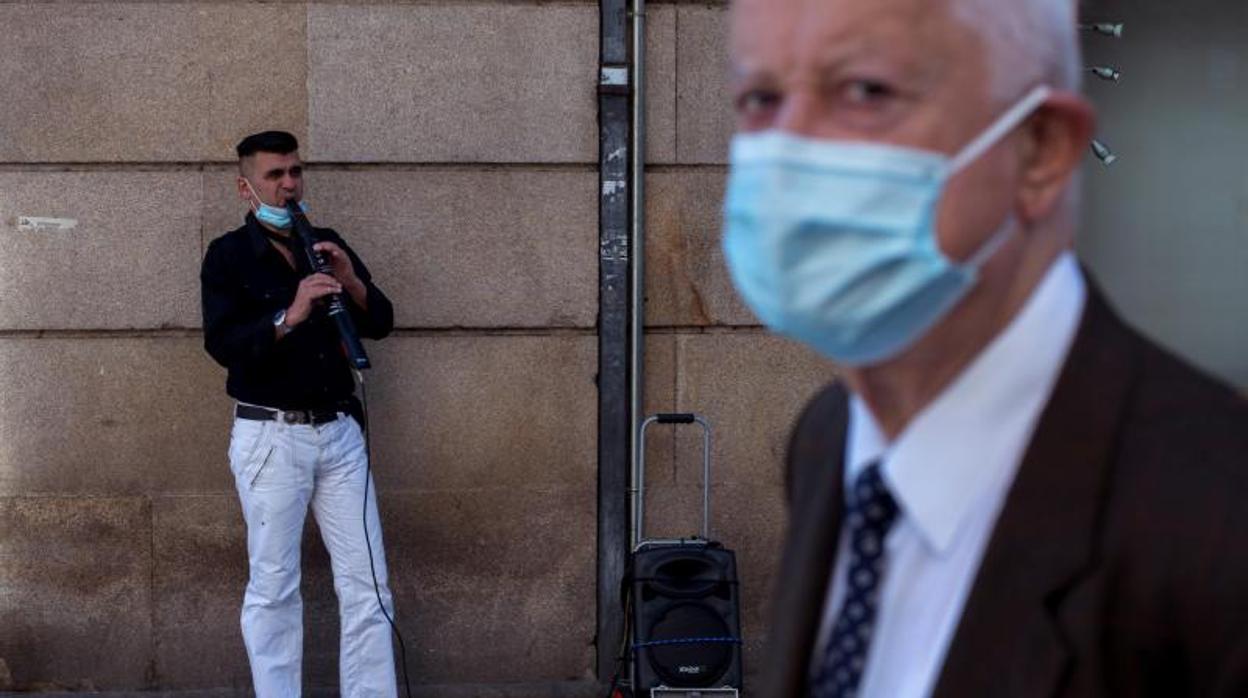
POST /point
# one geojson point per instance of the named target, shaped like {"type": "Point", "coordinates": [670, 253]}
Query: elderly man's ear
{"type": "Point", "coordinates": [1057, 140]}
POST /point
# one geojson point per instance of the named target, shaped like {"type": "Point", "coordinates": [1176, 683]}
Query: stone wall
{"type": "Point", "coordinates": [455, 145]}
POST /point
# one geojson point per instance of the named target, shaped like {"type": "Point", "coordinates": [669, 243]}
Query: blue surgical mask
{"type": "Point", "coordinates": [833, 243]}
{"type": "Point", "coordinates": [277, 217]}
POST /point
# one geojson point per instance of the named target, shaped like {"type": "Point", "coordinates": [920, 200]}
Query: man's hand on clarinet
{"type": "Point", "coordinates": [344, 271]}
{"type": "Point", "coordinates": [312, 288]}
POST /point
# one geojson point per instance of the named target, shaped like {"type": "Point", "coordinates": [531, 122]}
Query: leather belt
{"type": "Point", "coordinates": [264, 414]}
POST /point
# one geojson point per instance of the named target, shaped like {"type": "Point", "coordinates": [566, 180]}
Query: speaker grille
{"type": "Point", "coordinates": [690, 664]}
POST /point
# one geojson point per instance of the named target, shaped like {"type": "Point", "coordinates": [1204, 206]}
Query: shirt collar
{"type": "Point", "coordinates": [259, 243]}
{"type": "Point", "coordinates": [993, 404]}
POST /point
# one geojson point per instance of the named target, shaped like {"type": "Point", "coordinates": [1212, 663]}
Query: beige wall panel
{"type": "Point", "coordinates": [471, 248]}
{"type": "Point", "coordinates": [469, 412]}
{"type": "Point", "coordinates": [200, 547]}
{"type": "Point", "coordinates": [223, 210]}
{"type": "Point", "coordinates": [456, 247]}
{"type": "Point", "coordinates": [660, 396]}
{"type": "Point", "coordinates": [75, 594]}
{"type": "Point", "coordinates": [110, 416]}
{"type": "Point", "coordinates": [130, 261]}
{"type": "Point", "coordinates": [687, 283]}
{"type": "Point", "coordinates": [490, 585]}
{"type": "Point", "coordinates": [749, 520]}
{"type": "Point", "coordinates": [660, 83]}
{"type": "Point", "coordinates": [200, 552]}
{"type": "Point", "coordinates": [146, 81]}
{"type": "Point", "coordinates": [453, 83]}
{"type": "Point", "coordinates": [704, 98]}
{"type": "Point", "coordinates": [496, 584]}
{"type": "Point", "coordinates": [751, 386]}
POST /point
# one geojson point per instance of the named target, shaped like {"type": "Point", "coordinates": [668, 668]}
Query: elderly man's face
{"type": "Point", "coordinates": [902, 72]}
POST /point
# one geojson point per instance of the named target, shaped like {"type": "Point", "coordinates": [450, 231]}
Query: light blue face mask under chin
{"type": "Point", "coordinates": [834, 243]}
{"type": "Point", "coordinates": [274, 216]}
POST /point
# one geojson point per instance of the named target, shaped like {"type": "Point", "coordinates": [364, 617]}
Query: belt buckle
{"type": "Point", "coordinates": [294, 417]}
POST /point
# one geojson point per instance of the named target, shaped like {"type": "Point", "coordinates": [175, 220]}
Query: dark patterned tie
{"type": "Point", "coordinates": [871, 513]}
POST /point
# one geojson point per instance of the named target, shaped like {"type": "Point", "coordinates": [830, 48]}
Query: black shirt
{"type": "Point", "coordinates": [245, 282]}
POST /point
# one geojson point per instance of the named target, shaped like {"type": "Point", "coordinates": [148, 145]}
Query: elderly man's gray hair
{"type": "Point", "coordinates": [1028, 41]}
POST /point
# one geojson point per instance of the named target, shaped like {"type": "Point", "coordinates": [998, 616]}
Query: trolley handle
{"type": "Point", "coordinates": [638, 490]}
{"type": "Point", "coordinates": [675, 418]}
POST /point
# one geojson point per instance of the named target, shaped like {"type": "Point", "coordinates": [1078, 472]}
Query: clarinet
{"type": "Point", "coordinates": [334, 304]}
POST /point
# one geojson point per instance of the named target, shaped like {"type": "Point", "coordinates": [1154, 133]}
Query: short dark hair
{"type": "Point", "coordinates": [279, 142]}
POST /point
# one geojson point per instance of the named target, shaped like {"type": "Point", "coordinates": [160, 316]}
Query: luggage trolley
{"type": "Point", "coordinates": [685, 619]}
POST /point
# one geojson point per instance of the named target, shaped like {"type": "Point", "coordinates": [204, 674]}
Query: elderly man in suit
{"type": "Point", "coordinates": [1010, 493]}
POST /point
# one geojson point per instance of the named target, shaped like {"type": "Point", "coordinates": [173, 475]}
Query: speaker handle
{"type": "Point", "coordinates": [639, 473]}
{"type": "Point", "coordinates": [675, 418]}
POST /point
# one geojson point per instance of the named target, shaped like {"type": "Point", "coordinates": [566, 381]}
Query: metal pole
{"type": "Point", "coordinates": [613, 317]}
{"type": "Point", "coordinates": [637, 324]}
{"type": "Point", "coordinates": [706, 478]}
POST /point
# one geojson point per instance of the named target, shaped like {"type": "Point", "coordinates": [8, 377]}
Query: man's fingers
{"type": "Point", "coordinates": [320, 279]}
{"type": "Point", "coordinates": [321, 284]}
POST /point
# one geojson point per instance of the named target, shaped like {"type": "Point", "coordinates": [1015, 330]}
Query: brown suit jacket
{"type": "Point", "coordinates": [1119, 566]}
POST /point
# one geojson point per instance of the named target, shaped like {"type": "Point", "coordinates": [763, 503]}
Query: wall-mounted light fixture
{"type": "Point", "coordinates": [1103, 153]}
{"type": "Point", "coordinates": [1105, 73]}
{"type": "Point", "coordinates": [1113, 29]}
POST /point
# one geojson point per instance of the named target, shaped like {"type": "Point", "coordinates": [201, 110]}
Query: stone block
{"type": "Point", "coordinates": [456, 247]}
{"type": "Point", "coordinates": [751, 386]}
{"type": "Point", "coordinates": [200, 575]}
{"type": "Point", "coordinates": [705, 118]}
{"type": "Point", "coordinates": [660, 396]}
{"type": "Point", "coordinates": [490, 585]}
{"type": "Point", "coordinates": [131, 260]}
{"type": "Point", "coordinates": [661, 84]}
{"type": "Point", "coordinates": [223, 211]}
{"type": "Point", "coordinates": [199, 546]}
{"type": "Point", "coordinates": [95, 416]}
{"type": "Point", "coordinates": [687, 284]}
{"type": "Point", "coordinates": [453, 83]}
{"type": "Point", "coordinates": [143, 82]}
{"type": "Point", "coordinates": [75, 594]}
{"type": "Point", "coordinates": [467, 412]}
{"type": "Point", "coordinates": [494, 584]}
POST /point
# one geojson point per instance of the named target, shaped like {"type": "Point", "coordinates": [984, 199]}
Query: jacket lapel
{"type": "Point", "coordinates": [815, 477]}
{"type": "Point", "coordinates": [1010, 640]}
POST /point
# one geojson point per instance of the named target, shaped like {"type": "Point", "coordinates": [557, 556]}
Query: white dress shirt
{"type": "Point", "coordinates": [949, 472]}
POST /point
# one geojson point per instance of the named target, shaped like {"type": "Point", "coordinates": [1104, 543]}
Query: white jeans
{"type": "Point", "coordinates": [279, 469]}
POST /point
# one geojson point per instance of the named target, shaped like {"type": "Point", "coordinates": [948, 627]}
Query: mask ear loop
{"type": "Point", "coordinates": [994, 243]}
{"type": "Point", "coordinates": [1002, 126]}
{"type": "Point", "coordinates": [1008, 121]}
{"type": "Point", "coordinates": [254, 209]}
{"type": "Point", "coordinates": [302, 205]}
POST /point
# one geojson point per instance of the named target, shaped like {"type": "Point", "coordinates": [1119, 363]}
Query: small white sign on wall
{"type": "Point", "coordinates": [37, 223]}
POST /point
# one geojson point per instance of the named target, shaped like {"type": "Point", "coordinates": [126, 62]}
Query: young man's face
{"type": "Point", "coordinates": [275, 178]}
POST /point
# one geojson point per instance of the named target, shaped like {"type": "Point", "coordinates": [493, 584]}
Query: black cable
{"type": "Point", "coordinates": [372, 565]}
{"type": "Point", "coordinates": [622, 657]}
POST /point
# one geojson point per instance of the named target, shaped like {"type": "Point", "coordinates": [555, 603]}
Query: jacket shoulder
{"type": "Point", "coordinates": [1177, 523]}
{"type": "Point", "coordinates": [229, 243]}
{"type": "Point", "coordinates": [818, 437]}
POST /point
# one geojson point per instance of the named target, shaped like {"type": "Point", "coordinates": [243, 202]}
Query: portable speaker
{"type": "Point", "coordinates": [686, 617]}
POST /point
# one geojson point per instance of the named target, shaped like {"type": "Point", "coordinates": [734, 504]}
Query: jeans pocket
{"type": "Point", "coordinates": [251, 445]}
